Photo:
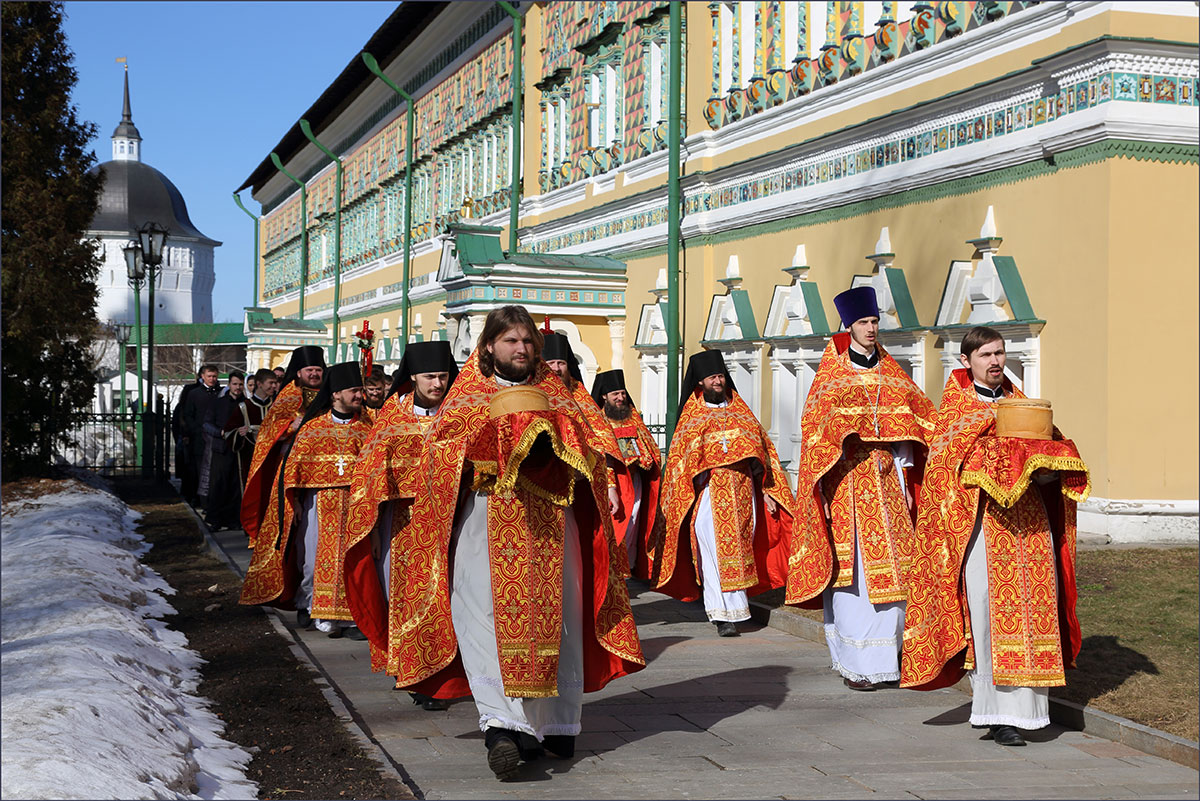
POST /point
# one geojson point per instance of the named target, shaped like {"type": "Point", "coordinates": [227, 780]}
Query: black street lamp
{"type": "Point", "coordinates": [152, 237]}
{"type": "Point", "coordinates": [121, 334]}
{"type": "Point", "coordinates": [137, 277]}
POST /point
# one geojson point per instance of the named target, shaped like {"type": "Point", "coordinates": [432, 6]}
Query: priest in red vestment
{"type": "Point", "coordinates": [562, 361]}
{"type": "Point", "coordinates": [864, 427]}
{"type": "Point", "coordinates": [299, 385]}
{"type": "Point", "coordinates": [638, 473]}
{"type": "Point", "coordinates": [992, 587]}
{"type": "Point", "coordinates": [297, 563]}
{"type": "Point", "coordinates": [382, 487]}
{"type": "Point", "coordinates": [512, 591]}
{"type": "Point", "coordinates": [727, 503]}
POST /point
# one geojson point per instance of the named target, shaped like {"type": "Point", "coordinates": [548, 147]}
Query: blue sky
{"type": "Point", "coordinates": [214, 86]}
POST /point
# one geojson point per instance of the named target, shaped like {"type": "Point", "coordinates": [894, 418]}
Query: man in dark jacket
{"type": "Point", "coordinates": [191, 425]}
{"type": "Point", "coordinates": [184, 458]}
{"type": "Point", "coordinates": [224, 484]}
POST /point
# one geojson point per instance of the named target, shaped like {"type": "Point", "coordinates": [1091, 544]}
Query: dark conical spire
{"type": "Point", "coordinates": [126, 129]}
{"type": "Point", "coordinates": [126, 111]}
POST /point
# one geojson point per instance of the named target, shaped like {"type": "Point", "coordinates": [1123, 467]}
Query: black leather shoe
{"type": "Point", "coordinates": [1006, 735]}
{"type": "Point", "coordinates": [504, 756]}
{"type": "Point", "coordinates": [303, 618]}
{"type": "Point", "coordinates": [561, 745]}
{"type": "Point", "coordinates": [354, 633]}
{"type": "Point", "coordinates": [862, 685]}
{"type": "Point", "coordinates": [727, 629]}
{"type": "Point", "coordinates": [336, 633]}
{"type": "Point", "coordinates": [529, 747]}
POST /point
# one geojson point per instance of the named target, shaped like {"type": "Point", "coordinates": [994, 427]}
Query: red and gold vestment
{"type": "Point", "coordinates": [322, 458]}
{"type": "Point", "coordinates": [1029, 533]}
{"type": "Point", "coordinates": [726, 441]}
{"type": "Point", "coordinates": [288, 407]}
{"type": "Point", "coordinates": [386, 471]}
{"type": "Point", "coordinates": [850, 420]}
{"type": "Point", "coordinates": [525, 527]}
{"type": "Point", "coordinates": [639, 451]}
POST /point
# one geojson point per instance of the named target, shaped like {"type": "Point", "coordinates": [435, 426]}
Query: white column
{"type": "Point", "coordinates": [616, 332]}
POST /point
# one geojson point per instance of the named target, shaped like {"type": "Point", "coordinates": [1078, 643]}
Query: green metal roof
{"type": "Point", "coordinates": [745, 314]}
{"type": "Point", "coordinates": [901, 297]}
{"type": "Point", "coordinates": [1014, 288]}
{"type": "Point", "coordinates": [812, 303]}
{"type": "Point", "coordinates": [194, 334]}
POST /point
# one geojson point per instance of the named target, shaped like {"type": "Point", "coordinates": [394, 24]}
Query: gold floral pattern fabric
{"type": "Point", "coordinates": [850, 419]}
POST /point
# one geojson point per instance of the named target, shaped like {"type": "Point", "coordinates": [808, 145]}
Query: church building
{"type": "Point", "coordinates": [134, 194]}
{"type": "Point", "coordinates": [1029, 166]}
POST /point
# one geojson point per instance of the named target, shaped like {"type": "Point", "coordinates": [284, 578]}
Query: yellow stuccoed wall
{"type": "Point", "coordinates": [1098, 264]}
{"type": "Point", "coordinates": [1150, 382]}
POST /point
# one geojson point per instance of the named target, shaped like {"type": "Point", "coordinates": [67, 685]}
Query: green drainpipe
{"type": "Point", "coordinates": [337, 233]}
{"type": "Point", "coordinates": [303, 228]}
{"type": "Point", "coordinates": [238, 200]}
{"type": "Point", "coordinates": [517, 94]}
{"type": "Point", "coordinates": [410, 121]}
{"type": "Point", "coordinates": [673, 209]}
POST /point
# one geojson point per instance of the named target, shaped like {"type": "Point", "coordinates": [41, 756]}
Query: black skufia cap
{"type": "Point", "coordinates": [303, 356]}
{"type": "Point", "coordinates": [606, 382]}
{"type": "Point", "coordinates": [558, 347]}
{"type": "Point", "coordinates": [700, 367]}
{"type": "Point", "coordinates": [424, 357]}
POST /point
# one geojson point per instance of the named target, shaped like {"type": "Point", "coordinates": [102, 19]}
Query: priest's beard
{"type": "Point", "coordinates": [615, 412]}
{"type": "Point", "coordinates": [714, 395]}
{"type": "Point", "coordinates": [513, 372]}
{"type": "Point", "coordinates": [426, 403]}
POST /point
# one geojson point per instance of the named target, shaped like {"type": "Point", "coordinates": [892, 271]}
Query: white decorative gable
{"type": "Point", "coordinates": [988, 290]}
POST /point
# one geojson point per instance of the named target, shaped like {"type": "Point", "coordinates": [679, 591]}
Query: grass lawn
{"type": "Point", "coordinates": [1138, 611]}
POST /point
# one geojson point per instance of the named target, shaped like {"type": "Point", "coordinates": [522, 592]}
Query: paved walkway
{"type": "Point", "coordinates": [760, 716]}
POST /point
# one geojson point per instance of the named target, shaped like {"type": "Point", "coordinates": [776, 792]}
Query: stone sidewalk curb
{"type": "Point", "coordinates": [337, 702]}
{"type": "Point", "coordinates": [1064, 713]}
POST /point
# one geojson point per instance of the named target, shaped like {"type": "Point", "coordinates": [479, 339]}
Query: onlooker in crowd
{"type": "Point", "coordinates": [224, 488]}
{"type": "Point", "coordinates": [184, 458]}
{"type": "Point", "coordinates": [251, 385]}
{"type": "Point", "coordinates": [279, 373]}
{"type": "Point", "coordinates": [375, 388]}
{"type": "Point", "coordinates": [192, 425]}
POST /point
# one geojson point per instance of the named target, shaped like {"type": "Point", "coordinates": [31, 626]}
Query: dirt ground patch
{"type": "Point", "coordinates": [268, 700]}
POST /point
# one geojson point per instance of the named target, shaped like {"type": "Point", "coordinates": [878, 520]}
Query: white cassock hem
{"type": "Point", "coordinates": [1024, 707]}
{"type": "Point", "coordinates": [473, 616]}
{"type": "Point", "coordinates": [721, 607]}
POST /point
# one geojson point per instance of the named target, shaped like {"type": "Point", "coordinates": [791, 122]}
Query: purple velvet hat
{"type": "Point", "coordinates": [855, 304]}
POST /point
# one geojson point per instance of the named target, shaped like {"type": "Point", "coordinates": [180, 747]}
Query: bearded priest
{"type": "Point", "coordinates": [560, 358]}
{"type": "Point", "coordinates": [298, 561]}
{"type": "Point", "coordinates": [864, 428]}
{"type": "Point", "coordinates": [992, 589]}
{"type": "Point", "coordinates": [299, 385]}
{"type": "Point", "coordinates": [382, 487]}
{"type": "Point", "coordinates": [512, 591]}
{"type": "Point", "coordinates": [727, 503]}
{"type": "Point", "coordinates": [638, 474]}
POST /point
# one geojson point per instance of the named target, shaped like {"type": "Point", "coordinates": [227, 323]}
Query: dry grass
{"type": "Point", "coordinates": [1138, 609]}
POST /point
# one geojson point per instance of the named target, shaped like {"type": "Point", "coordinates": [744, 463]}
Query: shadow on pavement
{"type": "Point", "coordinates": [653, 647]}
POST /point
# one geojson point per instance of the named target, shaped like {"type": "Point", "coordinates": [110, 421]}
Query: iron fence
{"type": "Point", "coordinates": [120, 443]}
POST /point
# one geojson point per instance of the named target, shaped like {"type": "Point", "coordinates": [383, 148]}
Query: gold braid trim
{"type": "Point", "coordinates": [511, 477]}
{"type": "Point", "coordinates": [1006, 498]}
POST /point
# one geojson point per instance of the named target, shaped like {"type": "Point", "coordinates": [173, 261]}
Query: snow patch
{"type": "Point", "coordinates": [99, 696]}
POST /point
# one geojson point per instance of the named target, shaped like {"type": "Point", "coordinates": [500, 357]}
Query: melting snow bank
{"type": "Point", "coordinates": [98, 694]}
